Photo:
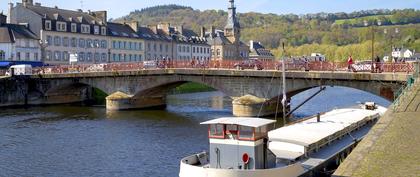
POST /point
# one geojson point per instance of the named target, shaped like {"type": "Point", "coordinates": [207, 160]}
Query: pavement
{"type": "Point", "coordinates": [392, 147]}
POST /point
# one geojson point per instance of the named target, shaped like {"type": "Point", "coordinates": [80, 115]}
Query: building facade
{"type": "Point", "coordinates": [259, 52]}
{"type": "Point", "coordinates": [125, 44]}
{"type": "Point", "coordinates": [17, 42]}
{"type": "Point", "coordinates": [226, 45]}
{"type": "Point", "coordinates": [63, 32]}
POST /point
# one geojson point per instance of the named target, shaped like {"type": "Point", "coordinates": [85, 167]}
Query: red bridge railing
{"type": "Point", "coordinates": [229, 64]}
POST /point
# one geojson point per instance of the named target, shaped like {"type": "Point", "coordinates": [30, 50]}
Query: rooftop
{"type": "Point", "coordinates": [242, 121]}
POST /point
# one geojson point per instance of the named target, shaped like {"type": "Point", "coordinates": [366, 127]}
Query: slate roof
{"type": "Point", "coordinates": [10, 32]}
{"type": "Point", "coordinates": [189, 36]}
{"type": "Point", "coordinates": [260, 50]}
{"type": "Point", "coordinates": [49, 13]}
{"type": "Point", "coordinates": [147, 34]}
{"type": "Point", "coordinates": [121, 30]}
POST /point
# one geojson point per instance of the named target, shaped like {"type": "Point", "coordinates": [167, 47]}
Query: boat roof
{"type": "Point", "coordinates": [242, 121]}
{"type": "Point", "coordinates": [310, 131]}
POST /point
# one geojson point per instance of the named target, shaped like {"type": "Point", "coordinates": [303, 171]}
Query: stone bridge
{"type": "Point", "coordinates": [148, 88]}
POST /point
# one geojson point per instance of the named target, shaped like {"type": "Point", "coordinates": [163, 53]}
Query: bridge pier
{"type": "Point", "coordinates": [251, 106]}
{"type": "Point", "coordinates": [122, 101]}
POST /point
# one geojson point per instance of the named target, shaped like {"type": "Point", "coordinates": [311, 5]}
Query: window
{"type": "Point", "coordinates": [103, 31]}
{"type": "Point", "coordinates": [114, 57]}
{"type": "Point", "coordinates": [81, 56]}
{"type": "Point", "coordinates": [65, 41]}
{"type": "Point", "coordinates": [130, 45]}
{"type": "Point", "coordinates": [188, 49]}
{"type": "Point", "coordinates": [246, 133]}
{"type": "Point", "coordinates": [167, 48]}
{"type": "Point", "coordinates": [61, 26]}
{"type": "Point", "coordinates": [104, 44]}
{"type": "Point", "coordinates": [73, 42]}
{"type": "Point", "coordinates": [47, 25]}
{"type": "Point", "coordinates": [27, 56]}
{"type": "Point", "coordinates": [149, 47]}
{"type": "Point", "coordinates": [103, 57]}
{"type": "Point", "coordinates": [140, 57]}
{"type": "Point", "coordinates": [218, 52]}
{"type": "Point", "coordinates": [217, 131]}
{"type": "Point", "coordinates": [2, 55]}
{"type": "Point", "coordinates": [89, 43]}
{"type": "Point", "coordinates": [96, 29]}
{"type": "Point", "coordinates": [193, 49]}
{"type": "Point", "coordinates": [86, 29]}
{"type": "Point", "coordinates": [57, 41]}
{"type": "Point", "coordinates": [160, 48]}
{"type": "Point", "coordinates": [114, 44]}
{"type": "Point", "coordinates": [49, 55]}
{"type": "Point", "coordinates": [154, 47]}
{"type": "Point", "coordinates": [74, 27]}
{"type": "Point", "coordinates": [36, 58]}
{"type": "Point", "coordinates": [82, 43]}
{"type": "Point", "coordinates": [125, 45]}
{"type": "Point", "coordinates": [66, 56]}
{"type": "Point", "coordinates": [89, 57]}
{"type": "Point", "coordinates": [179, 49]}
{"type": "Point", "coordinates": [119, 45]}
{"type": "Point", "coordinates": [130, 57]}
{"type": "Point", "coordinates": [97, 57]}
{"type": "Point", "coordinates": [96, 44]}
{"type": "Point", "coordinates": [49, 40]}
{"type": "Point", "coordinates": [57, 56]}
{"type": "Point", "coordinates": [18, 56]}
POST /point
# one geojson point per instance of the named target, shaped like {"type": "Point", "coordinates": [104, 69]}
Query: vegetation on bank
{"type": "Point", "coordinates": [98, 97]}
{"type": "Point", "coordinates": [328, 31]}
{"type": "Point", "coordinates": [191, 87]}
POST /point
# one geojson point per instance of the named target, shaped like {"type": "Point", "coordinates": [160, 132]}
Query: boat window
{"type": "Point", "coordinates": [261, 132]}
{"type": "Point", "coordinates": [216, 131]}
{"type": "Point", "coordinates": [232, 131]}
{"type": "Point", "coordinates": [246, 133]}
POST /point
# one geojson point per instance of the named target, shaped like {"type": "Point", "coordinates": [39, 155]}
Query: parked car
{"type": "Point", "coordinates": [249, 64]}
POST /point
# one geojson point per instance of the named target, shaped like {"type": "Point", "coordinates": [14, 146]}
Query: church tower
{"type": "Point", "coordinates": [232, 28]}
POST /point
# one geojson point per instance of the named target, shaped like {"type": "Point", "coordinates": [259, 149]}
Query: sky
{"type": "Point", "coordinates": [118, 8]}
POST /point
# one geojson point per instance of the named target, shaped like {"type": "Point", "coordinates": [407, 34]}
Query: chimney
{"type": "Point", "coordinates": [9, 15]}
{"type": "Point", "coordinates": [101, 15]}
{"type": "Point", "coordinates": [153, 28]}
{"type": "Point", "coordinates": [318, 117]}
{"type": "Point", "coordinates": [134, 25]}
{"type": "Point", "coordinates": [212, 30]}
{"type": "Point", "coordinates": [3, 19]}
{"type": "Point", "coordinates": [27, 2]}
{"type": "Point", "coordinates": [251, 44]}
{"type": "Point", "coordinates": [180, 29]}
{"type": "Point", "coordinates": [203, 32]}
{"type": "Point", "coordinates": [79, 10]}
{"type": "Point", "coordinates": [37, 4]}
{"type": "Point", "coordinates": [165, 27]}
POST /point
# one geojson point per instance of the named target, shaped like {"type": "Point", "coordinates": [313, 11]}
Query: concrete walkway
{"type": "Point", "coordinates": [392, 147]}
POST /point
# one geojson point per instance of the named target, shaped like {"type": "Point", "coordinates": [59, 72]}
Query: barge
{"type": "Point", "coordinates": [245, 147]}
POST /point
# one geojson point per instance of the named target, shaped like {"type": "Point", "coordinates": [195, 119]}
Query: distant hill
{"type": "Point", "coordinates": [334, 29]}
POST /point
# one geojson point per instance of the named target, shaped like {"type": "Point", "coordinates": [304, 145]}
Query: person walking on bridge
{"type": "Point", "coordinates": [349, 63]}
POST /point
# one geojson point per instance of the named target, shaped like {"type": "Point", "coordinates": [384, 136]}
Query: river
{"type": "Point", "coordinates": [72, 140]}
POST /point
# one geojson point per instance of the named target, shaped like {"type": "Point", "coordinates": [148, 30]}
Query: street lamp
{"type": "Point", "coordinates": [374, 23]}
{"type": "Point", "coordinates": [43, 45]}
{"type": "Point", "coordinates": [393, 35]}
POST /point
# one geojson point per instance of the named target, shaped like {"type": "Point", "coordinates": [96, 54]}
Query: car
{"type": "Point", "coordinates": [249, 64]}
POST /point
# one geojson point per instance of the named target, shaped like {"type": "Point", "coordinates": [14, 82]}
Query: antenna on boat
{"type": "Point", "coordinates": [284, 100]}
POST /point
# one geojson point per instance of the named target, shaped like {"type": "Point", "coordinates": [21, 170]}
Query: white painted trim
{"type": "Point", "coordinates": [236, 142]}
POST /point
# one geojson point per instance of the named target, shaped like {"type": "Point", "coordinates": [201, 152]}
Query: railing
{"type": "Point", "coordinates": [405, 88]}
{"type": "Point", "coordinates": [230, 64]}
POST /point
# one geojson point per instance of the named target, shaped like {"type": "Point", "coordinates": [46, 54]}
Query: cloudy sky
{"type": "Point", "coordinates": [118, 8]}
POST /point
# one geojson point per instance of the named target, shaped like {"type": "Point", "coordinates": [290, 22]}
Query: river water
{"type": "Point", "coordinates": [89, 141]}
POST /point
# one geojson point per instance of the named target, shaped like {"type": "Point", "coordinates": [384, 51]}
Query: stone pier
{"type": "Point", "coordinates": [122, 101]}
{"type": "Point", "coordinates": [252, 106]}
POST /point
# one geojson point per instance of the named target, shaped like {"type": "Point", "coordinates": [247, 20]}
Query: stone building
{"type": "Point", "coordinates": [125, 44]}
{"type": "Point", "coordinates": [226, 45]}
{"type": "Point", "coordinates": [63, 32]}
{"type": "Point", "coordinates": [258, 51]}
{"type": "Point", "coordinates": [17, 42]}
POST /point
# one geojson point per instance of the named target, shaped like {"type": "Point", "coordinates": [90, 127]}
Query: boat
{"type": "Point", "coordinates": [245, 147]}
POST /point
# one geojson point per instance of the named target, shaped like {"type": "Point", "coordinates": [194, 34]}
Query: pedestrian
{"type": "Point", "coordinates": [349, 63]}
{"type": "Point", "coordinates": [378, 65]}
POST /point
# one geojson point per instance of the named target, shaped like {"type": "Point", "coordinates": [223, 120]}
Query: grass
{"type": "Point", "coordinates": [192, 87]}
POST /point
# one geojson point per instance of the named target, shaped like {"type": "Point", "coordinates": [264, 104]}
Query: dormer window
{"type": "Point", "coordinates": [103, 31]}
{"type": "Point", "coordinates": [61, 26]}
{"type": "Point", "coordinates": [73, 27]}
{"type": "Point", "coordinates": [86, 29]}
{"type": "Point", "coordinates": [96, 30]}
{"type": "Point", "coordinates": [47, 25]}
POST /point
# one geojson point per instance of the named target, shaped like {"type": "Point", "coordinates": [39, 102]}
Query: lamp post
{"type": "Point", "coordinates": [374, 23]}
{"type": "Point", "coordinates": [393, 35]}
{"type": "Point", "coordinates": [43, 45]}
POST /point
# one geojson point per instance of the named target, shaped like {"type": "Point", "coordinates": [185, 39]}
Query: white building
{"type": "Point", "coordinates": [64, 31]}
{"type": "Point", "coordinates": [402, 53]}
{"type": "Point", "coordinates": [17, 42]}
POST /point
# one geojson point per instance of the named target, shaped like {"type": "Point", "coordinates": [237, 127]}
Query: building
{"type": "Point", "coordinates": [258, 51]}
{"type": "Point", "coordinates": [157, 44]}
{"type": "Point", "coordinates": [63, 32]}
{"type": "Point", "coordinates": [125, 44]}
{"type": "Point", "coordinates": [226, 45]}
{"type": "Point", "coordinates": [17, 42]}
{"type": "Point", "coordinates": [402, 52]}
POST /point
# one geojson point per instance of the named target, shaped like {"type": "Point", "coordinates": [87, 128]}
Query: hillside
{"type": "Point", "coordinates": [322, 32]}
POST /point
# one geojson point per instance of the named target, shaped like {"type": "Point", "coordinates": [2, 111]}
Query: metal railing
{"type": "Point", "coordinates": [411, 80]}
{"type": "Point", "coordinates": [229, 64]}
